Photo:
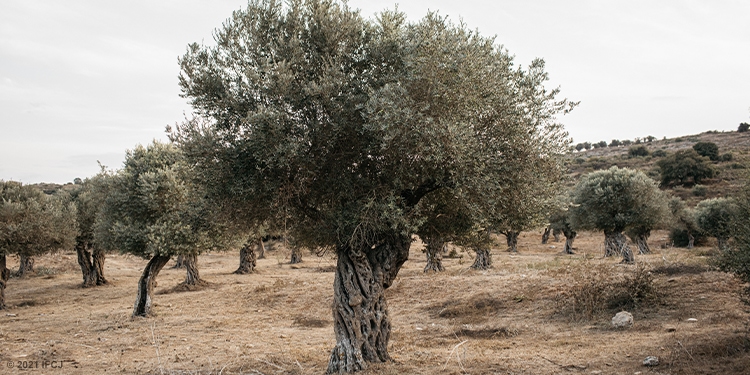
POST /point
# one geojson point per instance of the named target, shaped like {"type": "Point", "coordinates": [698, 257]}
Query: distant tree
{"type": "Point", "coordinates": [659, 154]}
{"type": "Point", "coordinates": [602, 144]}
{"type": "Point", "coordinates": [152, 211]}
{"type": "Point", "coordinates": [587, 145]}
{"type": "Point", "coordinates": [31, 224]}
{"type": "Point", "coordinates": [736, 259]}
{"type": "Point", "coordinates": [707, 149]}
{"type": "Point", "coordinates": [444, 223]}
{"type": "Point", "coordinates": [579, 147]}
{"type": "Point", "coordinates": [715, 217]}
{"type": "Point", "coordinates": [626, 142]}
{"type": "Point", "coordinates": [637, 151]}
{"type": "Point", "coordinates": [613, 201]}
{"type": "Point", "coordinates": [685, 166]}
{"type": "Point", "coordinates": [683, 221]}
{"type": "Point", "coordinates": [650, 138]}
{"type": "Point", "coordinates": [88, 198]}
{"type": "Point", "coordinates": [743, 127]}
{"type": "Point", "coordinates": [615, 143]}
{"type": "Point", "coordinates": [560, 221]}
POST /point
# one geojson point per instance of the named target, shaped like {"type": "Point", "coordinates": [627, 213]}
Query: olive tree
{"type": "Point", "coordinates": [88, 196]}
{"type": "Point", "coordinates": [683, 223]}
{"type": "Point", "coordinates": [715, 217]}
{"type": "Point", "coordinates": [736, 259]}
{"type": "Point", "coordinates": [152, 211]}
{"type": "Point", "coordinates": [616, 200]}
{"type": "Point", "coordinates": [32, 223]}
{"type": "Point", "coordinates": [685, 166]}
{"type": "Point", "coordinates": [559, 221]}
{"type": "Point", "coordinates": [346, 125]}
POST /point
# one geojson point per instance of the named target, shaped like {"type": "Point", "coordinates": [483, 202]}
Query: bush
{"type": "Point", "coordinates": [659, 153]}
{"type": "Point", "coordinates": [743, 127]}
{"type": "Point", "coordinates": [726, 157]}
{"type": "Point", "coordinates": [636, 151]}
{"type": "Point", "coordinates": [685, 166]}
{"type": "Point", "coordinates": [707, 149]}
{"type": "Point", "coordinates": [679, 238]}
{"type": "Point", "coordinates": [699, 190]}
{"type": "Point", "coordinates": [615, 143]}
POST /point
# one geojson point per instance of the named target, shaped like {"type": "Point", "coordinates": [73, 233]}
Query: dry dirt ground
{"type": "Point", "coordinates": [517, 318]}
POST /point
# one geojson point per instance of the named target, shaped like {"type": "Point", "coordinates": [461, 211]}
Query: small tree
{"type": "Point", "coordinates": [743, 127]}
{"type": "Point", "coordinates": [88, 197]}
{"type": "Point", "coordinates": [32, 223]}
{"type": "Point", "coordinates": [637, 151]}
{"type": "Point", "coordinates": [683, 221]}
{"type": "Point", "coordinates": [151, 210]}
{"type": "Point", "coordinates": [737, 258]}
{"type": "Point", "coordinates": [685, 166]}
{"type": "Point", "coordinates": [715, 217]}
{"type": "Point", "coordinates": [615, 143]}
{"type": "Point", "coordinates": [707, 149]}
{"type": "Point", "coordinates": [560, 221]}
{"type": "Point", "coordinates": [613, 201]}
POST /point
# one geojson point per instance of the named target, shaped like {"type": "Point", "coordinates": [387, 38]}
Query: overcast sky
{"type": "Point", "coordinates": [82, 81]}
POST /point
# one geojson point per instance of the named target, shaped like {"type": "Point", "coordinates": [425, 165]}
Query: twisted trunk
{"type": "Point", "coordinates": [179, 262]}
{"type": "Point", "coordinates": [87, 266]}
{"type": "Point", "coordinates": [26, 266]}
{"type": "Point", "coordinates": [360, 311]}
{"type": "Point", "coordinates": [191, 265]}
{"type": "Point", "coordinates": [641, 240]}
{"type": "Point", "coordinates": [511, 237]}
{"type": "Point", "coordinates": [4, 276]}
{"type": "Point", "coordinates": [147, 283]}
{"type": "Point", "coordinates": [483, 261]}
{"type": "Point", "coordinates": [98, 257]}
{"type": "Point", "coordinates": [569, 238]}
{"type": "Point", "coordinates": [616, 243]}
{"type": "Point", "coordinates": [261, 250]}
{"type": "Point", "coordinates": [296, 255]}
{"type": "Point", "coordinates": [434, 251]}
{"type": "Point", "coordinates": [556, 234]}
{"type": "Point", "coordinates": [691, 240]}
{"type": "Point", "coordinates": [545, 235]}
{"type": "Point", "coordinates": [247, 258]}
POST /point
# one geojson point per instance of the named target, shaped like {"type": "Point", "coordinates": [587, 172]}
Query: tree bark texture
{"type": "Point", "coordinates": [92, 265]}
{"type": "Point", "coordinates": [360, 311]}
{"type": "Point", "coordinates": [248, 258]}
{"type": "Point", "coordinates": [434, 251]}
{"type": "Point", "coordinates": [569, 238]}
{"type": "Point", "coordinates": [192, 276]}
{"type": "Point", "coordinates": [511, 237]}
{"type": "Point", "coordinates": [641, 241]}
{"type": "Point", "coordinates": [483, 261]}
{"type": "Point", "coordinates": [147, 283]}
{"type": "Point", "coordinates": [691, 240]}
{"type": "Point", "coordinates": [4, 276]}
{"type": "Point", "coordinates": [26, 266]}
{"type": "Point", "coordinates": [545, 235]}
{"type": "Point", "coordinates": [261, 249]}
{"type": "Point", "coordinates": [179, 262]}
{"type": "Point", "coordinates": [296, 256]}
{"type": "Point", "coordinates": [616, 243]}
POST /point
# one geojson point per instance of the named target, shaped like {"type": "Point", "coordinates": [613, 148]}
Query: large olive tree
{"type": "Point", "coordinates": [616, 200]}
{"type": "Point", "coordinates": [151, 210]}
{"type": "Point", "coordinates": [32, 223]}
{"type": "Point", "coordinates": [88, 196]}
{"type": "Point", "coordinates": [345, 125]}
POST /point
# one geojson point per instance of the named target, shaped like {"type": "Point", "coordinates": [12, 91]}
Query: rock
{"type": "Point", "coordinates": [670, 328]}
{"type": "Point", "coordinates": [692, 320]}
{"type": "Point", "coordinates": [623, 319]}
{"type": "Point", "coordinates": [651, 361]}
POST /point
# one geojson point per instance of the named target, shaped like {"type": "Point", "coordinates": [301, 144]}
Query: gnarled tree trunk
{"type": "Point", "coordinates": [26, 266]}
{"type": "Point", "coordinates": [641, 240]}
{"type": "Point", "coordinates": [261, 249]}
{"type": "Point", "coordinates": [434, 251]}
{"type": "Point", "coordinates": [147, 283]}
{"type": "Point", "coordinates": [483, 261]}
{"type": "Point", "coordinates": [296, 256]}
{"type": "Point", "coordinates": [691, 240]}
{"type": "Point", "coordinates": [92, 265]}
{"type": "Point", "coordinates": [511, 237]}
{"type": "Point", "coordinates": [569, 238]}
{"type": "Point", "coordinates": [179, 262]}
{"type": "Point", "coordinates": [4, 276]}
{"type": "Point", "coordinates": [545, 235]}
{"type": "Point", "coordinates": [248, 258]}
{"type": "Point", "coordinates": [556, 234]}
{"type": "Point", "coordinates": [87, 266]}
{"type": "Point", "coordinates": [616, 243]}
{"type": "Point", "coordinates": [360, 311]}
{"type": "Point", "coordinates": [192, 276]}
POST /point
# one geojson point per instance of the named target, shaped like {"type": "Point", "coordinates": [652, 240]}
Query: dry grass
{"type": "Point", "coordinates": [508, 320]}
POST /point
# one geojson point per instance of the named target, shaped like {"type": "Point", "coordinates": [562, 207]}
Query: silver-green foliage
{"type": "Point", "coordinates": [716, 218]}
{"type": "Point", "coordinates": [151, 208]}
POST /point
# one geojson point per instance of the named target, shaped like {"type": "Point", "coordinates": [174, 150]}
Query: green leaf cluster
{"type": "Point", "coordinates": [685, 166]}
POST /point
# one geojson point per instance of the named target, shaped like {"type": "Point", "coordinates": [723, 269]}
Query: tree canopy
{"type": "Point", "coordinates": [343, 125]}
{"type": "Point", "coordinates": [685, 166]}
{"type": "Point", "coordinates": [716, 218]}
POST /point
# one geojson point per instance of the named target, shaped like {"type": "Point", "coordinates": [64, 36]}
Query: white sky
{"type": "Point", "coordinates": [82, 81]}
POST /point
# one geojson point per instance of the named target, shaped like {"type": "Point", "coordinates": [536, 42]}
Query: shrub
{"type": "Point", "coordinates": [743, 127]}
{"type": "Point", "coordinates": [680, 238]}
{"type": "Point", "coordinates": [699, 190]}
{"type": "Point", "coordinates": [707, 149]}
{"type": "Point", "coordinates": [636, 151]}
{"type": "Point", "coordinates": [726, 157]}
{"type": "Point", "coordinates": [659, 153]}
{"type": "Point", "coordinates": [716, 218]}
{"type": "Point", "coordinates": [685, 166]}
{"type": "Point", "coordinates": [615, 143]}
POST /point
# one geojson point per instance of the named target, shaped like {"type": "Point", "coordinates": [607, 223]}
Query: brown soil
{"type": "Point", "coordinates": [511, 319]}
